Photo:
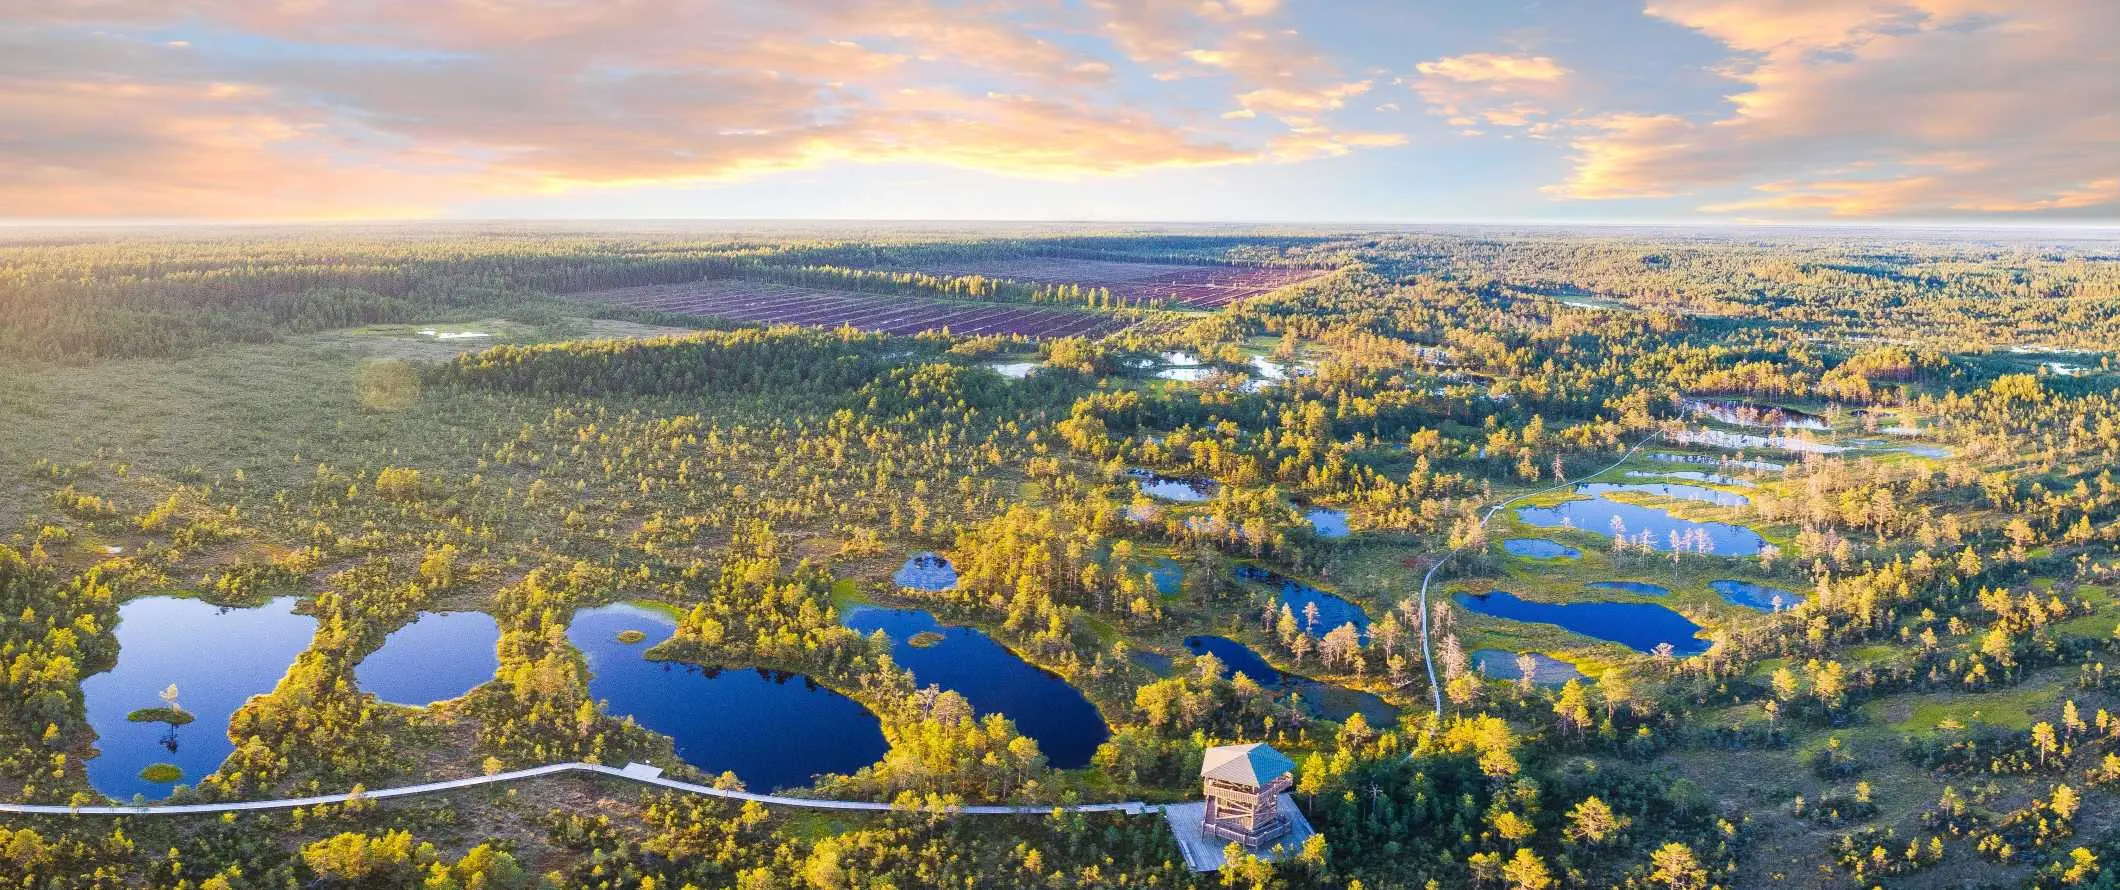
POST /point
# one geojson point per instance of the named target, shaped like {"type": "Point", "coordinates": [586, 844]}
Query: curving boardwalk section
{"type": "Point", "coordinates": [1427, 652]}
{"type": "Point", "coordinates": [637, 772]}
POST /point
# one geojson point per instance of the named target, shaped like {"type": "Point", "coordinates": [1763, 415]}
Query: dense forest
{"type": "Point", "coordinates": [1552, 559]}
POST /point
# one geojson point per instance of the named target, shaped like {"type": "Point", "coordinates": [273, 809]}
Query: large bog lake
{"type": "Point", "coordinates": [772, 729]}
{"type": "Point", "coordinates": [1638, 626]}
{"type": "Point", "coordinates": [216, 657]}
{"type": "Point", "coordinates": [994, 679]}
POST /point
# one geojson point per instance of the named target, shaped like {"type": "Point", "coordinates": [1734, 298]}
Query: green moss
{"type": "Point", "coordinates": [629, 637]}
{"type": "Point", "coordinates": [161, 773]}
{"type": "Point", "coordinates": [171, 716]}
{"type": "Point", "coordinates": [924, 639]}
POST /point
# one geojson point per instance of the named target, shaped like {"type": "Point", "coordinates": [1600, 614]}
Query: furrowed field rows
{"type": "Point", "coordinates": [1199, 287]}
{"type": "Point", "coordinates": [890, 313]}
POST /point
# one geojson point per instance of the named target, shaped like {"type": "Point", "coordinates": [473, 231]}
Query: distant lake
{"type": "Point", "coordinates": [1638, 626]}
{"type": "Point", "coordinates": [439, 656]}
{"type": "Point", "coordinates": [773, 729]}
{"type": "Point", "coordinates": [217, 657]}
{"type": "Point", "coordinates": [993, 679]}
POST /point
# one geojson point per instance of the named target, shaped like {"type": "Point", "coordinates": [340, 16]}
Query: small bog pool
{"type": "Point", "coordinates": [1327, 522]}
{"type": "Point", "coordinates": [926, 570]}
{"type": "Point", "coordinates": [1501, 664]}
{"type": "Point", "coordinates": [1638, 626]}
{"type": "Point", "coordinates": [1539, 548]}
{"type": "Point", "coordinates": [1175, 488]}
{"type": "Point", "coordinates": [1755, 596]}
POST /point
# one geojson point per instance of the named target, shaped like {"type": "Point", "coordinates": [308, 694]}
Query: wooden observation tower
{"type": "Point", "coordinates": [1244, 784]}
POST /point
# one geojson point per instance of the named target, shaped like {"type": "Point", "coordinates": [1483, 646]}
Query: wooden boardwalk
{"type": "Point", "coordinates": [636, 772]}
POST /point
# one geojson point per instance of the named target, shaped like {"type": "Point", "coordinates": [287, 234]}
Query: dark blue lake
{"type": "Point", "coordinates": [1638, 626]}
{"type": "Point", "coordinates": [926, 570]}
{"type": "Point", "coordinates": [1642, 587]}
{"type": "Point", "coordinates": [1596, 515]}
{"type": "Point", "coordinates": [1236, 658]}
{"type": "Point", "coordinates": [1299, 597]}
{"type": "Point", "coordinates": [1539, 548]}
{"type": "Point", "coordinates": [439, 656]}
{"type": "Point", "coordinates": [1328, 523]}
{"type": "Point", "coordinates": [1755, 596]}
{"type": "Point", "coordinates": [993, 679]}
{"type": "Point", "coordinates": [773, 729]}
{"type": "Point", "coordinates": [218, 658]}
{"type": "Point", "coordinates": [1546, 670]}
{"type": "Point", "coordinates": [1175, 488]}
{"type": "Point", "coordinates": [1677, 490]}
{"type": "Point", "coordinates": [1325, 699]}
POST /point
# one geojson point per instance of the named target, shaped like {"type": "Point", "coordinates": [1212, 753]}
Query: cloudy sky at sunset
{"type": "Point", "coordinates": [1372, 110]}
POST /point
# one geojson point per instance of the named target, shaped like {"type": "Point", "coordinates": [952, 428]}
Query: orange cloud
{"type": "Point", "coordinates": [422, 105]}
{"type": "Point", "coordinates": [1491, 89]}
{"type": "Point", "coordinates": [1946, 106]}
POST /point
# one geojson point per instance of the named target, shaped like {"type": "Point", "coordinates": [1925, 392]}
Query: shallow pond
{"type": "Point", "coordinates": [1753, 414]}
{"type": "Point", "coordinates": [1014, 370]}
{"type": "Point", "coordinates": [926, 570]}
{"type": "Point", "coordinates": [1539, 548]}
{"type": "Point", "coordinates": [772, 729]}
{"type": "Point", "coordinates": [1642, 587]}
{"type": "Point", "coordinates": [1764, 466]}
{"type": "Point", "coordinates": [1299, 597]}
{"type": "Point", "coordinates": [439, 656]}
{"type": "Point", "coordinates": [993, 679]}
{"type": "Point", "coordinates": [1175, 488]}
{"type": "Point", "coordinates": [1723, 439]}
{"type": "Point", "coordinates": [1328, 522]}
{"type": "Point", "coordinates": [1638, 626]}
{"type": "Point", "coordinates": [1597, 515]}
{"type": "Point", "coordinates": [1546, 670]}
{"type": "Point", "coordinates": [1187, 375]}
{"type": "Point", "coordinates": [1673, 490]}
{"type": "Point", "coordinates": [1695, 476]}
{"type": "Point", "coordinates": [1755, 596]}
{"type": "Point", "coordinates": [1168, 576]}
{"type": "Point", "coordinates": [217, 658]}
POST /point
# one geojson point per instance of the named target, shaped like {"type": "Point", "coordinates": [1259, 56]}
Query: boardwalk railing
{"type": "Point", "coordinates": [1428, 652]}
{"type": "Point", "coordinates": [637, 772]}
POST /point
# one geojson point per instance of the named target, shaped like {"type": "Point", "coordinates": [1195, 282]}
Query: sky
{"type": "Point", "coordinates": [1988, 111]}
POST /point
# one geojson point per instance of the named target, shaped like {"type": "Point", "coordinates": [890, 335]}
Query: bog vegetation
{"type": "Point", "coordinates": [391, 424]}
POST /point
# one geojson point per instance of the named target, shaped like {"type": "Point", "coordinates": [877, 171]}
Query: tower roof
{"type": "Point", "coordinates": [1254, 764]}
